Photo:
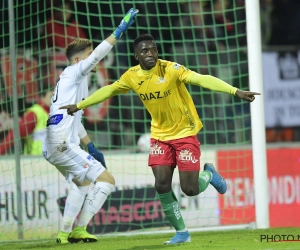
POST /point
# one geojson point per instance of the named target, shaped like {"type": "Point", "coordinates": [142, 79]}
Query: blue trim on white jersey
{"type": "Point", "coordinates": [54, 119]}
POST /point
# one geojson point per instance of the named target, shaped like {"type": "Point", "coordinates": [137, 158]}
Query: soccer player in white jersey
{"type": "Point", "coordinates": [61, 146]}
{"type": "Point", "coordinates": [175, 123]}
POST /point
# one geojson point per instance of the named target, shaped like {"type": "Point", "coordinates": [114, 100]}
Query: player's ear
{"type": "Point", "coordinates": [136, 57]}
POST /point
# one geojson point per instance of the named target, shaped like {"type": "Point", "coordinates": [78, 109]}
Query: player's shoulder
{"type": "Point", "coordinates": [69, 70]}
{"type": "Point", "coordinates": [163, 63]}
{"type": "Point", "coordinates": [168, 65]}
{"type": "Point", "coordinates": [134, 69]}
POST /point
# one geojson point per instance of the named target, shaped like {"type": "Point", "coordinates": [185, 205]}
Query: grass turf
{"type": "Point", "coordinates": [218, 240]}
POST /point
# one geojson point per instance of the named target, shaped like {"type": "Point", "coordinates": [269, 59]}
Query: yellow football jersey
{"type": "Point", "coordinates": [163, 92]}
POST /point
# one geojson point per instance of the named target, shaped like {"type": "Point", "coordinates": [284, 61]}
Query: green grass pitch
{"type": "Point", "coordinates": [217, 240]}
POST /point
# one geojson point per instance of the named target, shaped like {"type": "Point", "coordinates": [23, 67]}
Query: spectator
{"type": "Point", "coordinates": [62, 27]}
{"type": "Point", "coordinates": [32, 125]}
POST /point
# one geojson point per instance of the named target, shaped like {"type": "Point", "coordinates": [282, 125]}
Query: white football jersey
{"type": "Point", "coordinates": [71, 88]}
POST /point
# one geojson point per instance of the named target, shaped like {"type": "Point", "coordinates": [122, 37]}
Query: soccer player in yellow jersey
{"type": "Point", "coordinates": [175, 123]}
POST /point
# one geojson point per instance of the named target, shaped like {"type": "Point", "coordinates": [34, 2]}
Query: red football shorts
{"type": "Point", "coordinates": [184, 153]}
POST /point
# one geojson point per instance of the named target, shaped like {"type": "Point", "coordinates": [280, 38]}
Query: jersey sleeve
{"type": "Point", "coordinates": [212, 83]}
{"type": "Point", "coordinates": [180, 72]}
{"type": "Point", "coordinates": [85, 66]}
{"type": "Point", "coordinates": [99, 96]}
{"type": "Point", "coordinates": [188, 76]}
{"type": "Point", "coordinates": [123, 84]}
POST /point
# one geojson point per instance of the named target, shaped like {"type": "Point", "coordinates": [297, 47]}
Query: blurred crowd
{"type": "Point", "coordinates": [208, 36]}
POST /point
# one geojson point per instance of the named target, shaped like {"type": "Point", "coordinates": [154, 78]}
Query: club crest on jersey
{"type": "Point", "coordinates": [176, 66]}
{"type": "Point", "coordinates": [185, 155]}
{"type": "Point", "coordinates": [155, 149]}
{"type": "Point", "coordinates": [161, 80]}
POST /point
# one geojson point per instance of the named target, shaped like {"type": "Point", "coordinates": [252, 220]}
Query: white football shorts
{"type": "Point", "coordinates": [72, 161]}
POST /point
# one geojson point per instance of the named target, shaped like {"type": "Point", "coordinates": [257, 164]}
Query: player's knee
{"type": "Point", "coordinates": [83, 183]}
{"type": "Point", "coordinates": [106, 176]}
{"type": "Point", "coordinates": [162, 188]}
{"type": "Point", "coordinates": [190, 190]}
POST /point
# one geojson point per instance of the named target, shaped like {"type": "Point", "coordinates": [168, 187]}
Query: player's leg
{"type": "Point", "coordinates": [217, 181]}
{"type": "Point", "coordinates": [188, 161]}
{"type": "Point", "coordinates": [77, 194]}
{"type": "Point", "coordinates": [162, 161]}
{"type": "Point", "coordinates": [77, 165]}
{"type": "Point", "coordinates": [163, 185]}
{"type": "Point", "coordinates": [103, 186]}
{"type": "Point", "coordinates": [73, 205]}
{"type": "Point", "coordinates": [192, 183]}
{"type": "Point", "coordinates": [187, 157]}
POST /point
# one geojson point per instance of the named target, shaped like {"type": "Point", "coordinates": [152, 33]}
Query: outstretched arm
{"type": "Point", "coordinates": [99, 96]}
{"type": "Point", "coordinates": [104, 48]}
{"type": "Point", "coordinates": [246, 95]}
{"type": "Point", "coordinates": [215, 84]}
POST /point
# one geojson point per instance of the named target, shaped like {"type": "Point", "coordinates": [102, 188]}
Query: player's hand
{"type": "Point", "coordinates": [126, 22]}
{"type": "Point", "coordinates": [246, 95]}
{"type": "Point", "coordinates": [93, 151]}
{"type": "Point", "coordinates": [71, 109]}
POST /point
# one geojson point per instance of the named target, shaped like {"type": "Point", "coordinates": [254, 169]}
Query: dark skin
{"type": "Point", "coordinates": [147, 55]}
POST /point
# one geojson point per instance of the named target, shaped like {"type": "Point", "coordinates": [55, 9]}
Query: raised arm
{"type": "Point", "coordinates": [104, 48]}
